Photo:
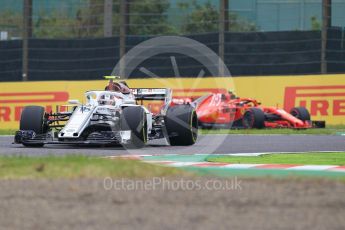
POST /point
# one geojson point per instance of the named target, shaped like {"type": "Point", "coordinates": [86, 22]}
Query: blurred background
{"type": "Point", "coordinates": [84, 39]}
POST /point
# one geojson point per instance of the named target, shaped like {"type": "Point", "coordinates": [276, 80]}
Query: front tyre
{"type": "Point", "coordinates": [32, 118]}
{"type": "Point", "coordinates": [133, 118]}
{"type": "Point", "coordinates": [254, 118]}
{"type": "Point", "coordinates": [300, 113]}
{"type": "Point", "coordinates": [181, 123]}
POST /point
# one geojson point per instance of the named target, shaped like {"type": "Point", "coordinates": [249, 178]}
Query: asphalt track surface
{"type": "Point", "coordinates": [206, 144]}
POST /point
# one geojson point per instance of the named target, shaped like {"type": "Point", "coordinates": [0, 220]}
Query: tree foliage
{"type": "Point", "coordinates": [205, 18]}
{"type": "Point", "coordinates": [12, 22]}
{"type": "Point", "coordinates": [55, 25]}
{"type": "Point", "coordinates": [315, 24]}
{"type": "Point", "coordinates": [147, 17]}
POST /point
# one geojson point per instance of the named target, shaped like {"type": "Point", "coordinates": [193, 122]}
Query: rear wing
{"type": "Point", "coordinates": [154, 94]}
{"type": "Point", "coordinates": [160, 94]}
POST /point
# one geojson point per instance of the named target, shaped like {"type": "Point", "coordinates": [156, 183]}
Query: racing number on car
{"type": "Point", "coordinates": [216, 99]}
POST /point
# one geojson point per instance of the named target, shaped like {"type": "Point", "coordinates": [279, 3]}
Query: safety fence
{"type": "Point", "coordinates": [254, 53]}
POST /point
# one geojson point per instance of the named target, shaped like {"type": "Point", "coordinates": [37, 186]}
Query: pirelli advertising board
{"type": "Point", "coordinates": [323, 95]}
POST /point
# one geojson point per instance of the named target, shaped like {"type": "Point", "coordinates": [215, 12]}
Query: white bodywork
{"type": "Point", "coordinates": [100, 102]}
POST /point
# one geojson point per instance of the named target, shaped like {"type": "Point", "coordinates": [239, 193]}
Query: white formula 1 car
{"type": "Point", "coordinates": [110, 117]}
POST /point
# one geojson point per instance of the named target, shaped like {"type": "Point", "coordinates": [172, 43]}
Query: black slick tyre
{"type": "Point", "coordinates": [254, 118]}
{"type": "Point", "coordinates": [181, 123]}
{"type": "Point", "coordinates": [133, 118]}
{"type": "Point", "coordinates": [32, 118]}
{"type": "Point", "coordinates": [301, 113]}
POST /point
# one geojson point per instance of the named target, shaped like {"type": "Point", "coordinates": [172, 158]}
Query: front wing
{"type": "Point", "coordinates": [29, 137]}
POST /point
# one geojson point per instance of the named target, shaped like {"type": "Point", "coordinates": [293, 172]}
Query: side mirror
{"type": "Point", "coordinates": [74, 102]}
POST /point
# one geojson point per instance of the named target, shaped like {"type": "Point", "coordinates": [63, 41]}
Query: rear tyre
{"type": "Point", "coordinates": [301, 113]}
{"type": "Point", "coordinates": [181, 123]}
{"type": "Point", "coordinates": [254, 118]}
{"type": "Point", "coordinates": [134, 119]}
{"type": "Point", "coordinates": [32, 118]}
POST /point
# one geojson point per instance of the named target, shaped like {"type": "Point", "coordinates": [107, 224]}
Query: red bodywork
{"type": "Point", "coordinates": [226, 109]}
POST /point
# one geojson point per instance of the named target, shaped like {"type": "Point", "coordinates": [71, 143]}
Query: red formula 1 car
{"type": "Point", "coordinates": [225, 110]}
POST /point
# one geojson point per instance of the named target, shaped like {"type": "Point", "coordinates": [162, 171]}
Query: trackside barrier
{"type": "Point", "coordinates": [323, 95]}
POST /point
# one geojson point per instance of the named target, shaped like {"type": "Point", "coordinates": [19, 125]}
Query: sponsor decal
{"type": "Point", "coordinates": [324, 96]}
{"type": "Point", "coordinates": [319, 100]}
{"type": "Point", "coordinates": [12, 104]}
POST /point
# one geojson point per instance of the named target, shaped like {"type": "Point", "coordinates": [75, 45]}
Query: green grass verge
{"type": "Point", "coordinates": [288, 158]}
{"type": "Point", "coordinates": [330, 130]}
{"type": "Point", "coordinates": [71, 167]}
{"type": "Point", "coordinates": [7, 131]}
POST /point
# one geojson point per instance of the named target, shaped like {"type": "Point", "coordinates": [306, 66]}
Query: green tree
{"type": "Point", "coordinates": [148, 17]}
{"type": "Point", "coordinates": [54, 25]}
{"type": "Point", "coordinates": [87, 22]}
{"type": "Point", "coordinates": [205, 18]}
{"type": "Point", "coordinates": [315, 24]}
{"type": "Point", "coordinates": [12, 22]}
{"type": "Point", "coordinates": [90, 19]}
{"type": "Point", "coordinates": [236, 24]}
